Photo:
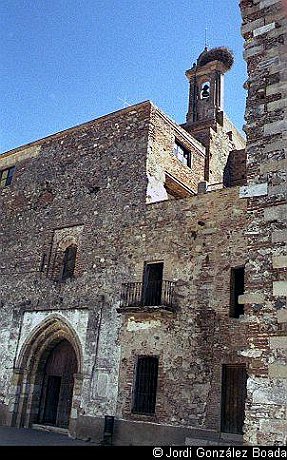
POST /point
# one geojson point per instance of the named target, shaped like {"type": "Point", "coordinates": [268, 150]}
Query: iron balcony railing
{"type": "Point", "coordinates": [155, 293]}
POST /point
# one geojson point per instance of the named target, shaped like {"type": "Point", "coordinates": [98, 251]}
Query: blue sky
{"type": "Point", "coordinates": [64, 62]}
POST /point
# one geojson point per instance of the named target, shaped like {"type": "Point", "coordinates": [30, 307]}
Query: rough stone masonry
{"type": "Point", "coordinates": [143, 274]}
{"type": "Point", "coordinates": [264, 31]}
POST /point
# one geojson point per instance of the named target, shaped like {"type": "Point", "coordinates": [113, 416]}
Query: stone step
{"type": "Point", "coordinates": [223, 440]}
{"type": "Point", "coordinates": [51, 429]}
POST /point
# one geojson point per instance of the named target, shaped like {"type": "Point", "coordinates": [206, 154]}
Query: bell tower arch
{"type": "Point", "coordinates": [208, 123]}
{"type": "Point", "coordinates": [206, 82]}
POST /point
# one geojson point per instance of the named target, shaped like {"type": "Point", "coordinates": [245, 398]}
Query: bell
{"type": "Point", "coordinates": [205, 92]}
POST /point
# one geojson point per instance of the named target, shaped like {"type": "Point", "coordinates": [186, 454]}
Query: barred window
{"type": "Point", "coordinates": [145, 385]}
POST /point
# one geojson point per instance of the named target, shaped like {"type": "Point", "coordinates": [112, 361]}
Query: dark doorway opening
{"type": "Point", "coordinates": [234, 378]}
{"type": "Point", "coordinates": [152, 286]}
{"type": "Point", "coordinates": [57, 385]}
{"type": "Point", "coordinates": [52, 399]}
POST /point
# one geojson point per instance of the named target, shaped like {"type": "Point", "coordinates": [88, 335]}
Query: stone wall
{"type": "Point", "coordinates": [162, 160]}
{"type": "Point", "coordinates": [101, 187]}
{"type": "Point", "coordinates": [223, 140]}
{"type": "Point", "coordinates": [264, 30]}
{"type": "Point", "coordinates": [89, 186]}
{"type": "Point", "coordinates": [85, 184]}
{"type": "Point", "coordinates": [219, 140]}
{"type": "Point", "coordinates": [198, 239]}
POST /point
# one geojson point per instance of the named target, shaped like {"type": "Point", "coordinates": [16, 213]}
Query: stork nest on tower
{"type": "Point", "coordinates": [221, 54]}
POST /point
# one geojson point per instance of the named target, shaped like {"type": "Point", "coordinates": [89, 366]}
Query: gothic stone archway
{"type": "Point", "coordinates": [49, 362]}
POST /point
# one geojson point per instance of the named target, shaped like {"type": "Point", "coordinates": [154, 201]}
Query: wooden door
{"type": "Point", "coordinates": [58, 384]}
{"type": "Point", "coordinates": [234, 378]}
{"type": "Point", "coordinates": [52, 399]}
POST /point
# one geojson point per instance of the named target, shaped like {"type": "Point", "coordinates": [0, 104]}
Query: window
{"type": "Point", "coordinates": [236, 289]}
{"type": "Point", "coordinates": [205, 90]}
{"type": "Point", "coordinates": [145, 385]}
{"type": "Point", "coordinates": [230, 135]}
{"type": "Point", "coordinates": [6, 176]}
{"type": "Point", "coordinates": [60, 259]}
{"type": "Point", "coordinates": [183, 154]}
{"type": "Point", "coordinates": [69, 262]}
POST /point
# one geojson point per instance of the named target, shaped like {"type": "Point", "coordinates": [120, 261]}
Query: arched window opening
{"type": "Point", "coordinates": [205, 90]}
{"type": "Point", "coordinates": [69, 262]}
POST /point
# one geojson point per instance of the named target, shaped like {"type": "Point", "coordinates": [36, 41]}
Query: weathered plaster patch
{"type": "Point", "coordinates": [248, 191]}
{"type": "Point", "coordinates": [77, 319]}
{"type": "Point", "coordinates": [134, 326]}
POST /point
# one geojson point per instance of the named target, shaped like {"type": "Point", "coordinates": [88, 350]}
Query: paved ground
{"type": "Point", "coordinates": [28, 437]}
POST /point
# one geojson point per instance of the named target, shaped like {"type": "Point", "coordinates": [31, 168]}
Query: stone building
{"type": "Point", "coordinates": [264, 30]}
{"type": "Point", "coordinates": [142, 265]}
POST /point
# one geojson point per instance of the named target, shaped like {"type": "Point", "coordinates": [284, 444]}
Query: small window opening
{"type": "Point", "coordinates": [182, 153]}
{"type": "Point", "coordinates": [236, 289]}
{"type": "Point", "coordinates": [43, 263]}
{"type": "Point", "coordinates": [145, 385]}
{"type": "Point", "coordinates": [230, 135]}
{"type": "Point", "coordinates": [69, 262]}
{"type": "Point", "coordinates": [6, 176]}
{"type": "Point", "coordinates": [205, 90]}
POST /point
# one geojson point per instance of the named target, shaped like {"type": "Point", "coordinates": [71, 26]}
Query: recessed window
{"type": "Point", "coordinates": [182, 153]}
{"type": "Point", "coordinates": [69, 262]}
{"type": "Point", "coordinates": [6, 176]}
{"type": "Point", "coordinates": [236, 289]}
{"type": "Point", "coordinates": [145, 385]}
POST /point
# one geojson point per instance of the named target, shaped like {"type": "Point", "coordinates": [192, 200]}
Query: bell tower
{"type": "Point", "coordinates": [206, 80]}
{"type": "Point", "coordinates": [206, 119]}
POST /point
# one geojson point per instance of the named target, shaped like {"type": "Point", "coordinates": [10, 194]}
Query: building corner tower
{"type": "Point", "coordinates": [264, 30]}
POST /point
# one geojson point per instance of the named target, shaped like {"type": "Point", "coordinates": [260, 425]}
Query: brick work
{"type": "Point", "coordinates": [264, 31]}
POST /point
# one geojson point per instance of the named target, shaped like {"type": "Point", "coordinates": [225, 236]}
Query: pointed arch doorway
{"type": "Point", "coordinates": [48, 377]}
{"type": "Point", "coordinates": [57, 386]}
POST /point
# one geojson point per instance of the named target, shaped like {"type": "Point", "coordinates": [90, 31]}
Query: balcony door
{"type": "Point", "coordinates": [152, 285]}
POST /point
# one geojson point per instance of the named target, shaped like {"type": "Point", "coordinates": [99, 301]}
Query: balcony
{"type": "Point", "coordinates": [156, 295]}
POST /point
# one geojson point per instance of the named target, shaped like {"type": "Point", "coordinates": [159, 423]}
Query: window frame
{"type": "Point", "coordinates": [186, 154]}
{"type": "Point", "coordinates": [235, 309]}
{"type": "Point", "coordinates": [68, 273]}
{"type": "Point", "coordinates": [7, 179]}
{"type": "Point", "coordinates": [136, 401]}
